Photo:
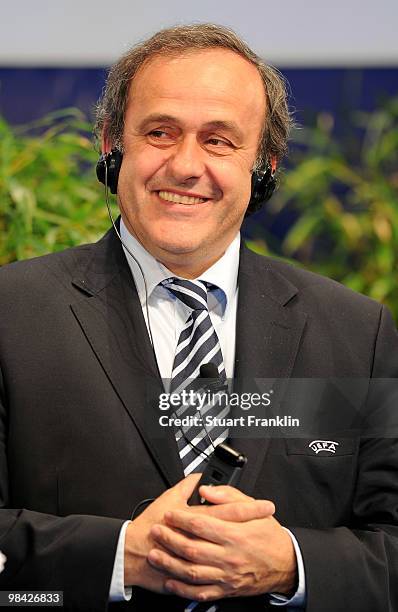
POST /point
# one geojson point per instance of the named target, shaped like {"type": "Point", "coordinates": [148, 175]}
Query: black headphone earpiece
{"type": "Point", "coordinates": [263, 186]}
{"type": "Point", "coordinates": [263, 181]}
{"type": "Point", "coordinates": [108, 168]}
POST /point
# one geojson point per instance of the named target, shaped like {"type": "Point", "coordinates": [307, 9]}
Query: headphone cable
{"type": "Point", "coordinates": [197, 451]}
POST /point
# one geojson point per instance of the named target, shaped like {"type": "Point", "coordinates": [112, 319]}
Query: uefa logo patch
{"type": "Point", "coordinates": [327, 446]}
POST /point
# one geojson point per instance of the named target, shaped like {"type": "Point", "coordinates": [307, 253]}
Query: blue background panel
{"type": "Point", "coordinates": [27, 94]}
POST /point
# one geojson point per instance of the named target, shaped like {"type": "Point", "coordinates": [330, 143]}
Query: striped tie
{"type": "Point", "coordinates": [198, 344]}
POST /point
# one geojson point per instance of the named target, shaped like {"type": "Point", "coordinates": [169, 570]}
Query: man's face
{"type": "Point", "coordinates": [191, 135]}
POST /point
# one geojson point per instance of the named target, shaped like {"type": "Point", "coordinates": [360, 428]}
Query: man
{"type": "Point", "coordinates": [86, 339]}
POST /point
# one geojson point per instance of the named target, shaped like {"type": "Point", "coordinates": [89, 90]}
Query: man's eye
{"type": "Point", "coordinates": [158, 134]}
{"type": "Point", "coordinates": [218, 142]}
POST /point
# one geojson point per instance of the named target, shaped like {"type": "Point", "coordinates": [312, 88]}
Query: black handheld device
{"type": "Point", "coordinates": [224, 468]}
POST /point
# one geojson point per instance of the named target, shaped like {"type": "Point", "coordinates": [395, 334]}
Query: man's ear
{"type": "Point", "coordinates": [273, 164]}
{"type": "Point", "coordinates": [106, 145]}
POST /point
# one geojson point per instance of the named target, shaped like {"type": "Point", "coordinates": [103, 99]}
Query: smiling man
{"type": "Point", "coordinates": [190, 142]}
{"type": "Point", "coordinates": [93, 492]}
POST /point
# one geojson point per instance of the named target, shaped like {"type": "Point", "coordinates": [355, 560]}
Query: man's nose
{"type": "Point", "coordinates": [186, 160]}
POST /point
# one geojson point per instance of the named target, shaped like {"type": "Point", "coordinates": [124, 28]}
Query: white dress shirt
{"type": "Point", "coordinates": [168, 314]}
{"type": "Point", "coordinates": [167, 317]}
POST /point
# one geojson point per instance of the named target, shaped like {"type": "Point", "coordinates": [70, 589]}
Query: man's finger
{"type": "Point", "coordinates": [222, 494]}
{"type": "Point", "coordinates": [195, 592]}
{"type": "Point", "coordinates": [185, 547]}
{"type": "Point", "coordinates": [187, 485]}
{"type": "Point", "coordinates": [184, 570]}
{"type": "Point", "coordinates": [239, 512]}
{"type": "Point", "coordinates": [200, 525]}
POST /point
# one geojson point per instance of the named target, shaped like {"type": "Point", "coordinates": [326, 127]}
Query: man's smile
{"type": "Point", "coordinates": [179, 198]}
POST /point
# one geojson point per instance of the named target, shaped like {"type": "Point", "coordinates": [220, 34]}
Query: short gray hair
{"type": "Point", "coordinates": [110, 110]}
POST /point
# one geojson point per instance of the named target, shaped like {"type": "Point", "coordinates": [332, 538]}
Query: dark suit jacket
{"type": "Point", "coordinates": [77, 442]}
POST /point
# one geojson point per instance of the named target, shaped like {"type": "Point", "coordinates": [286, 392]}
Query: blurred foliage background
{"type": "Point", "coordinates": [338, 202]}
{"type": "Point", "coordinates": [49, 196]}
{"type": "Point", "coordinates": [342, 196]}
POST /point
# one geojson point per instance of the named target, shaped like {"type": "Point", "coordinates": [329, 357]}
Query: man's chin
{"type": "Point", "coordinates": [175, 251]}
{"type": "Point", "coordinates": [183, 256]}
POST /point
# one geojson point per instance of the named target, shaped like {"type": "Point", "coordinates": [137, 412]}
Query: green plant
{"type": "Point", "coordinates": [344, 200]}
{"type": "Point", "coordinates": [49, 196]}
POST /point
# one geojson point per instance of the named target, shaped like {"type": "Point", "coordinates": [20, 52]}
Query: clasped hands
{"type": "Point", "coordinates": [233, 548]}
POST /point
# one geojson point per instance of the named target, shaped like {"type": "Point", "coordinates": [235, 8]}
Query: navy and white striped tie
{"type": "Point", "coordinates": [198, 344]}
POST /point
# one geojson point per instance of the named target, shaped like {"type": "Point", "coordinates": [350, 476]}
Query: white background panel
{"type": "Point", "coordinates": [287, 32]}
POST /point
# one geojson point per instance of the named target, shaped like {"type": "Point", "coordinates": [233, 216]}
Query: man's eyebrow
{"type": "Point", "coordinates": [229, 126]}
{"type": "Point", "coordinates": [157, 118]}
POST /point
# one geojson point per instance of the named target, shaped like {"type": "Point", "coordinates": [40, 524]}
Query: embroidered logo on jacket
{"type": "Point", "coordinates": [323, 445]}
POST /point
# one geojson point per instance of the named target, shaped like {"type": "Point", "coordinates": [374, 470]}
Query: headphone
{"type": "Point", "coordinates": [262, 185]}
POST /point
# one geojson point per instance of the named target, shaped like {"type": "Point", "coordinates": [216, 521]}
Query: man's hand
{"type": "Point", "coordinates": [232, 549]}
{"type": "Point", "coordinates": [139, 541]}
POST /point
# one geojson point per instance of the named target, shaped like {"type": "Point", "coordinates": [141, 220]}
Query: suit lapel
{"type": "Point", "coordinates": [110, 315]}
{"type": "Point", "coordinates": [268, 334]}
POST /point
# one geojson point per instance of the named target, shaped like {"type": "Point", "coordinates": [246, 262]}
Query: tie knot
{"type": "Point", "coordinates": [191, 293]}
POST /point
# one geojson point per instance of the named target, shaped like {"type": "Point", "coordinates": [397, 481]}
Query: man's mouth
{"type": "Point", "coordinates": [177, 198]}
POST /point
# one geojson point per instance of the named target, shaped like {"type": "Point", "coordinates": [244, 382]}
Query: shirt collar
{"type": "Point", "coordinates": [223, 274]}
